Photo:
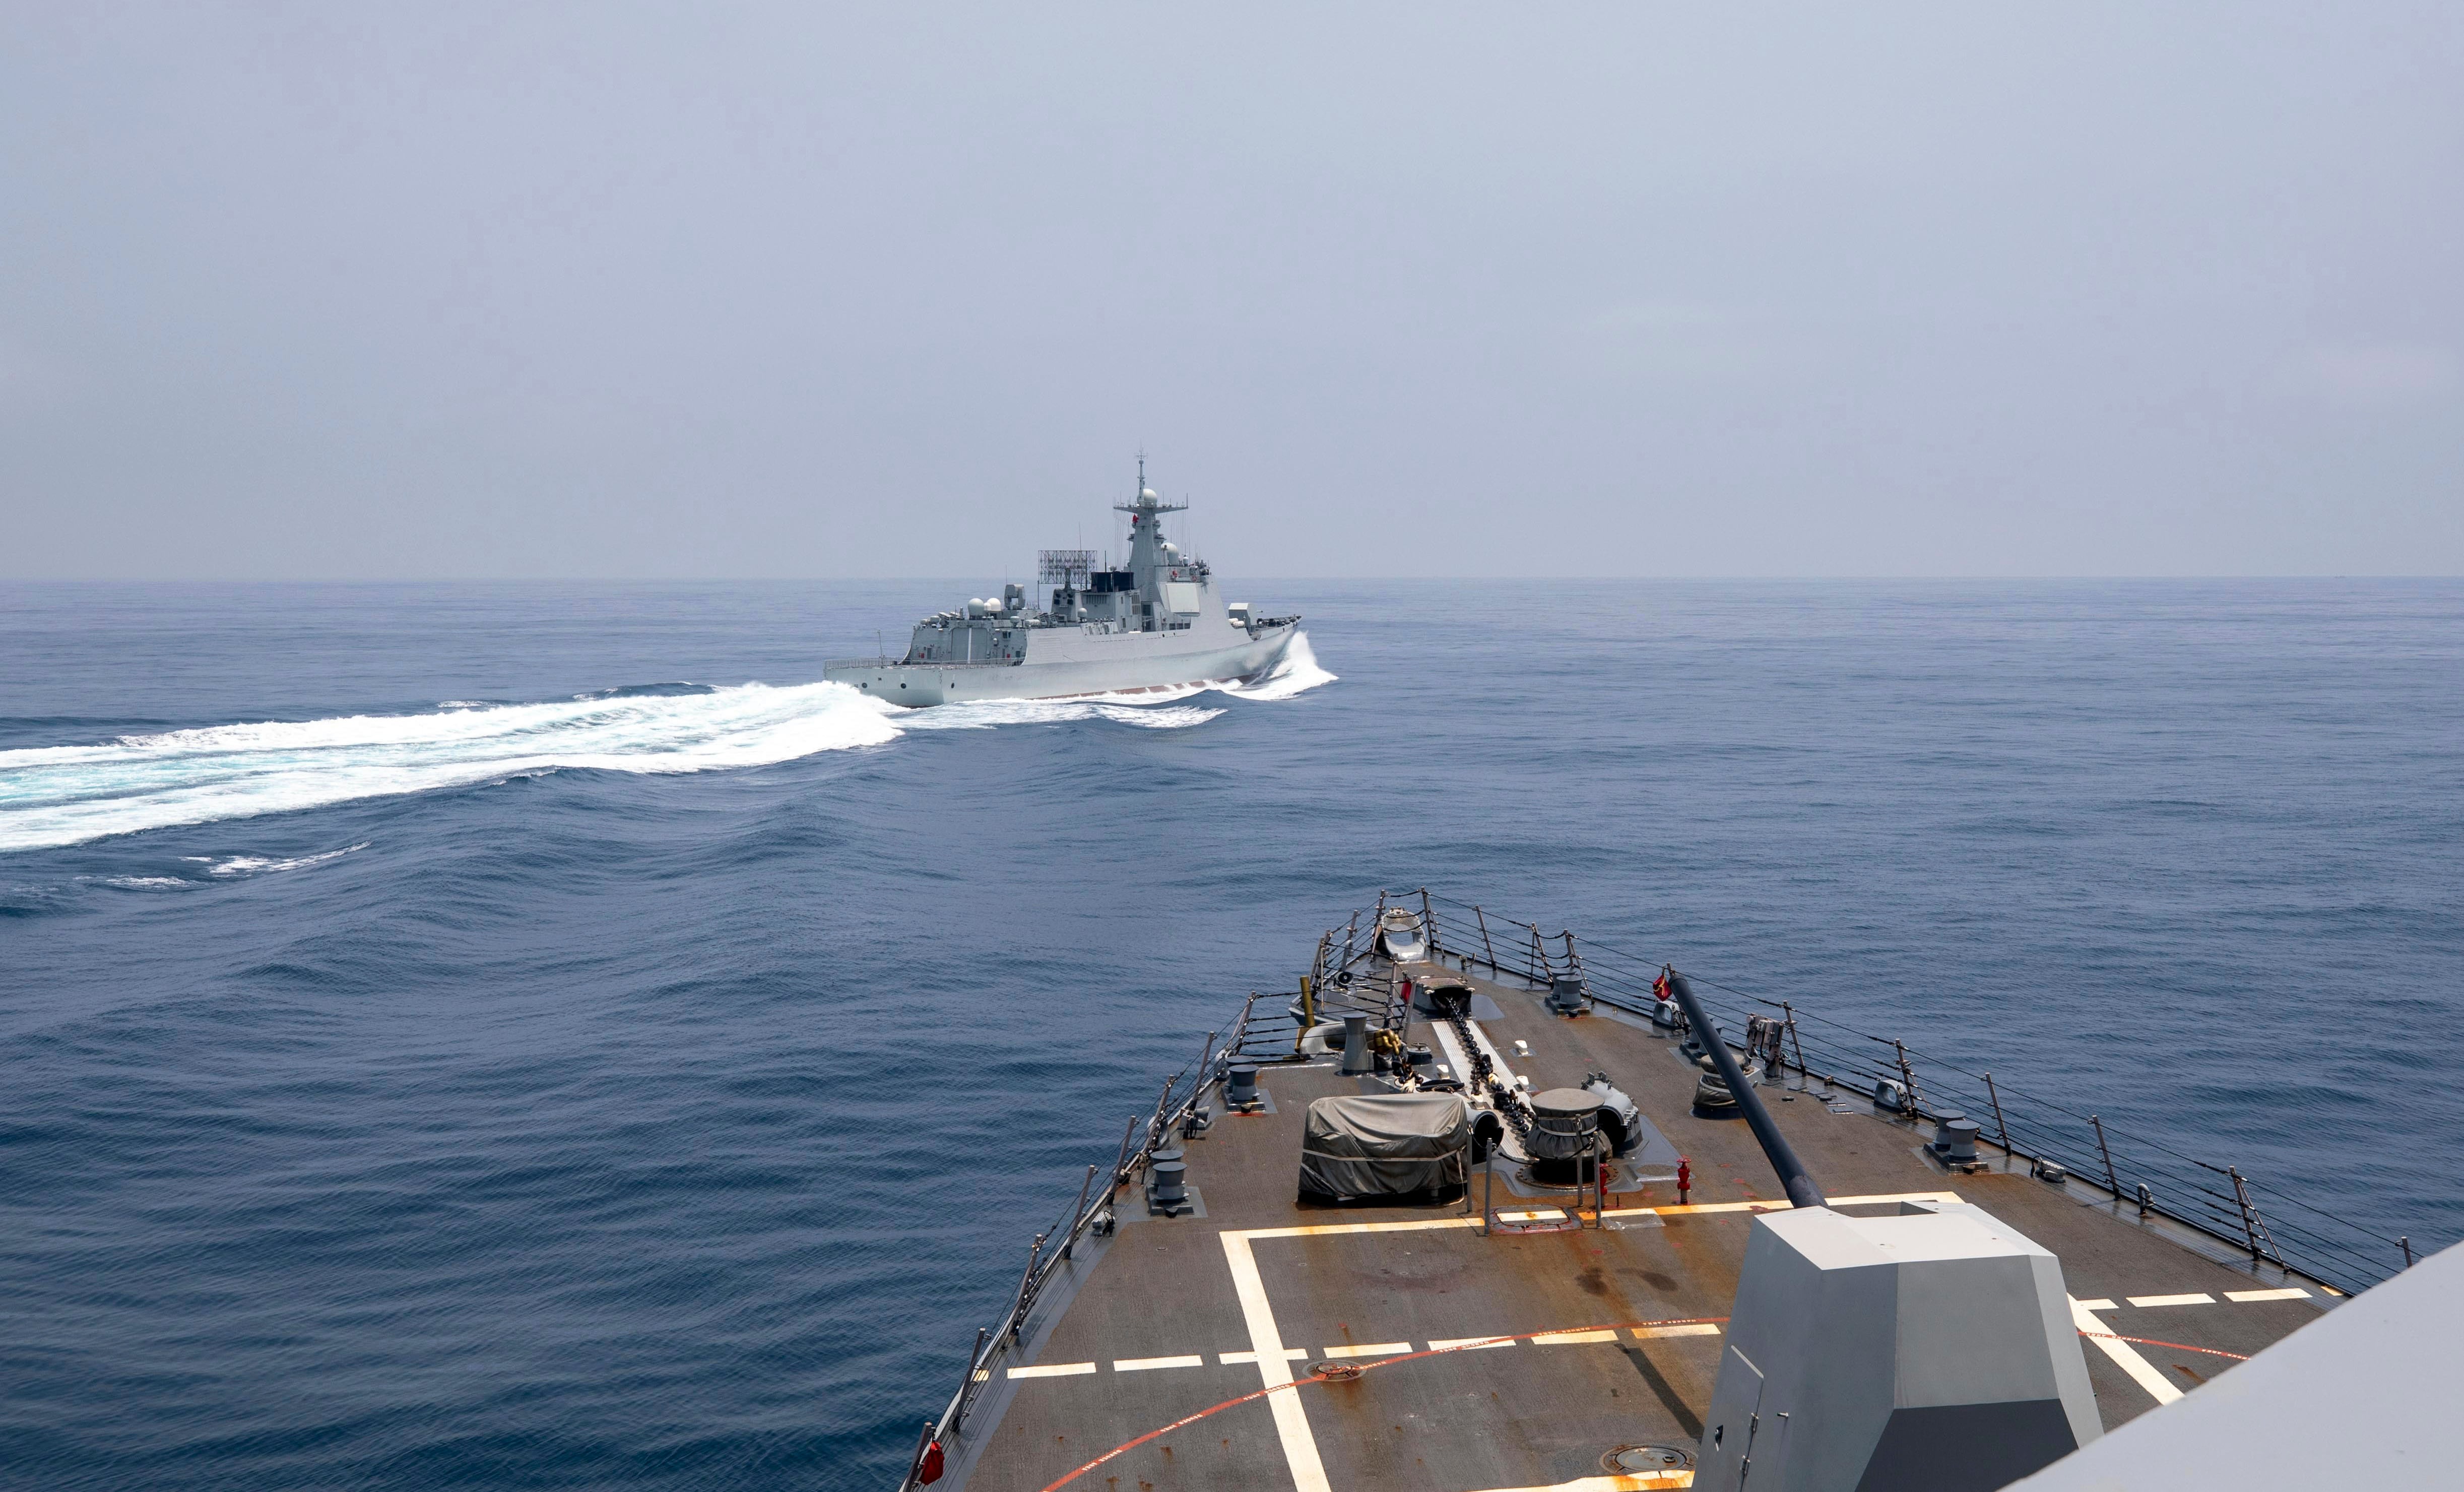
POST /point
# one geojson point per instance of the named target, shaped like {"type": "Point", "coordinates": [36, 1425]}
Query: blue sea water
{"type": "Point", "coordinates": [476, 1036]}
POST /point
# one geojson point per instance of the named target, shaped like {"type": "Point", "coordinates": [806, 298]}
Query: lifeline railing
{"type": "Point", "coordinates": [1176, 1106]}
{"type": "Point", "coordinates": [2221, 1201]}
{"type": "Point", "coordinates": [1345, 978]}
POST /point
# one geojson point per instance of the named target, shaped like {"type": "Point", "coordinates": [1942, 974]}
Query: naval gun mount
{"type": "Point", "coordinates": [1932, 1352]}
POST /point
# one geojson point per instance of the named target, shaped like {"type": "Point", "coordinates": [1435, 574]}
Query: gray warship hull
{"type": "Point", "coordinates": [1155, 624]}
{"type": "Point", "coordinates": [1065, 664]}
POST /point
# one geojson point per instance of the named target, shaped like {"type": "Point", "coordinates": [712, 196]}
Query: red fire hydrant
{"type": "Point", "coordinates": [1685, 1179]}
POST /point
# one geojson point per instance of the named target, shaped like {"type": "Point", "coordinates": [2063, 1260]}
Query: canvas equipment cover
{"type": "Point", "coordinates": [1385, 1144]}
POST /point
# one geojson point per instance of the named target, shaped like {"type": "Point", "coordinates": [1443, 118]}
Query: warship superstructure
{"type": "Point", "coordinates": [1472, 1210]}
{"type": "Point", "coordinates": [1155, 625]}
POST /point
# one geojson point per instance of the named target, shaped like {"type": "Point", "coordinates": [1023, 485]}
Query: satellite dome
{"type": "Point", "coordinates": [1146, 491]}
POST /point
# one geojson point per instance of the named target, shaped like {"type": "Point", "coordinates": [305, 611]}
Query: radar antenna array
{"type": "Point", "coordinates": [1068, 568]}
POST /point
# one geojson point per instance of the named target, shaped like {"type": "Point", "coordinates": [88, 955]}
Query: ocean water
{"type": "Point", "coordinates": [536, 1037]}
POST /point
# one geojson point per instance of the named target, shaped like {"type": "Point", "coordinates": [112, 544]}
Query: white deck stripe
{"type": "Point", "coordinates": [2246, 1296]}
{"type": "Point", "coordinates": [1636, 1482]}
{"type": "Point", "coordinates": [1369, 1350]}
{"type": "Point", "coordinates": [2142, 1372]}
{"type": "Point", "coordinates": [1779, 1204]}
{"type": "Point", "coordinates": [1148, 1364]}
{"type": "Point", "coordinates": [1052, 1371]}
{"type": "Point", "coordinates": [2097, 1305]}
{"type": "Point", "coordinates": [2200, 1299]}
{"type": "Point", "coordinates": [1469, 1343]}
{"type": "Point", "coordinates": [1690, 1328]}
{"type": "Point", "coordinates": [1292, 1419]}
{"type": "Point", "coordinates": [1570, 1338]}
{"type": "Point", "coordinates": [1331, 1229]}
{"type": "Point", "coordinates": [1292, 1354]}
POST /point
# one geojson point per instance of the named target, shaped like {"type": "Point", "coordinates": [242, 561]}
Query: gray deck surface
{"type": "Point", "coordinates": [1529, 1414]}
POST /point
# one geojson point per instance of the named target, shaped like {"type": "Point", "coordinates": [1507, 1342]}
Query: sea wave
{"type": "Point", "coordinates": [54, 796]}
{"type": "Point", "coordinates": [66, 794]}
{"type": "Point", "coordinates": [1298, 673]}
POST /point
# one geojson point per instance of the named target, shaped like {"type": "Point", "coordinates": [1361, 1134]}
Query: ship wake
{"type": "Point", "coordinates": [55, 796]}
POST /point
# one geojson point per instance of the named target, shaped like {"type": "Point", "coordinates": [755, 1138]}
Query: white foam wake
{"type": "Point", "coordinates": [1296, 672]}
{"type": "Point", "coordinates": [65, 794]}
{"type": "Point", "coordinates": [52, 795]}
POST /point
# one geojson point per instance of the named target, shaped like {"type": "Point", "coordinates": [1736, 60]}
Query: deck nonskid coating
{"type": "Point", "coordinates": [1531, 1414]}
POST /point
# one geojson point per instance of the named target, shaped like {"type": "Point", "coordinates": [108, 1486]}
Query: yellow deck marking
{"type": "Point", "coordinates": [2195, 1299]}
{"type": "Point", "coordinates": [1570, 1338]}
{"type": "Point", "coordinates": [1369, 1350]}
{"type": "Point", "coordinates": [1145, 1363]}
{"type": "Point", "coordinates": [1275, 1364]}
{"type": "Point", "coordinates": [2096, 1304]}
{"type": "Point", "coordinates": [2125, 1356]}
{"type": "Point", "coordinates": [1052, 1371]}
{"type": "Point", "coordinates": [1543, 1215]}
{"type": "Point", "coordinates": [1292, 1419]}
{"type": "Point", "coordinates": [1469, 1343]}
{"type": "Point", "coordinates": [1290, 1354]}
{"type": "Point", "coordinates": [1782, 1205]}
{"type": "Point", "coordinates": [2245, 1296]}
{"type": "Point", "coordinates": [1690, 1328]}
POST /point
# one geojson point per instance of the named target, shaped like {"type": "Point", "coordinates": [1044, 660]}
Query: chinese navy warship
{"type": "Point", "coordinates": [1155, 625]}
{"type": "Point", "coordinates": [1475, 1210]}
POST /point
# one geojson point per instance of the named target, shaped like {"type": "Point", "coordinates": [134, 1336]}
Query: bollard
{"type": "Point", "coordinates": [1241, 1089]}
{"type": "Point", "coordinates": [1356, 1046]}
{"type": "Point", "coordinates": [1167, 1182]}
{"type": "Point", "coordinates": [1685, 1178]}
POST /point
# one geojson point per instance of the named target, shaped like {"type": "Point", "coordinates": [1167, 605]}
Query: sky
{"type": "Point", "coordinates": [706, 290]}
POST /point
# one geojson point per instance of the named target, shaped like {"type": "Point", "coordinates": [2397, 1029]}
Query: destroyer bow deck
{"type": "Point", "coordinates": [1511, 1334]}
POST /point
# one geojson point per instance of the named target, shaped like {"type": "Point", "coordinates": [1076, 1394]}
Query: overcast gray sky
{"type": "Point", "coordinates": [437, 290]}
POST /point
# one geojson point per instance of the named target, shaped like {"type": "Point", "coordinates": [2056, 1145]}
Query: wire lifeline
{"type": "Point", "coordinates": [2159, 1149]}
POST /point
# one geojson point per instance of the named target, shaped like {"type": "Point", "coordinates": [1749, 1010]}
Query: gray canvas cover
{"type": "Point", "coordinates": [1384, 1144]}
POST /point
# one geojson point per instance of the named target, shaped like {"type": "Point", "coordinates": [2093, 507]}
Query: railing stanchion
{"type": "Point", "coordinates": [2112, 1183]}
{"type": "Point", "coordinates": [967, 1385]}
{"type": "Point", "coordinates": [1025, 1290]}
{"type": "Point", "coordinates": [1078, 1213]}
{"type": "Point", "coordinates": [916, 1460]}
{"type": "Point", "coordinates": [1909, 1076]}
{"type": "Point", "coordinates": [2252, 1224]}
{"type": "Point", "coordinates": [1487, 948]}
